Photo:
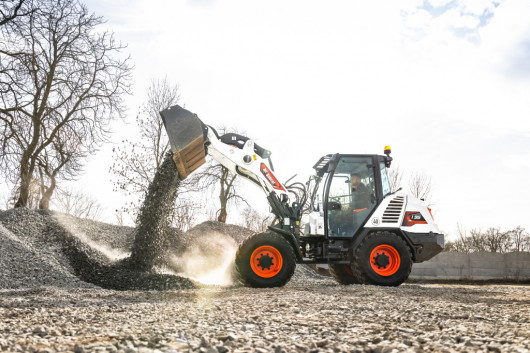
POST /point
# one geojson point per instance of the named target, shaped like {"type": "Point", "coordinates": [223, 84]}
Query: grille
{"type": "Point", "coordinates": [393, 210]}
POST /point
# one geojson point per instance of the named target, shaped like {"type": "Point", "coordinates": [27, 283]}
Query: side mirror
{"type": "Point", "coordinates": [334, 206]}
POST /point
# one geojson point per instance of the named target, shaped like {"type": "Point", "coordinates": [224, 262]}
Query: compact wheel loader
{"type": "Point", "coordinates": [345, 216]}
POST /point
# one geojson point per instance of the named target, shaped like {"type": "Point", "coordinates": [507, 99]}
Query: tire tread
{"type": "Point", "coordinates": [357, 266]}
{"type": "Point", "coordinates": [243, 253]}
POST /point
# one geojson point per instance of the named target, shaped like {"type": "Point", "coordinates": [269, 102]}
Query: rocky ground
{"type": "Point", "coordinates": [47, 304]}
{"type": "Point", "coordinates": [310, 317]}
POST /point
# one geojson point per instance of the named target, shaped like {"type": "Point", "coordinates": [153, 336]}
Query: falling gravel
{"type": "Point", "coordinates": [152, 224]}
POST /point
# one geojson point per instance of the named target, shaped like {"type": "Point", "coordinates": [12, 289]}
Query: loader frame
{"type": "Point", "coordinates": [191, 140]}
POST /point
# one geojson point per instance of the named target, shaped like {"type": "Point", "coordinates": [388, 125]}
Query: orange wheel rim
{"type": "Point", "coordinates": [266, 261]}
{"type": "Point", "coordinates": [385, 260]}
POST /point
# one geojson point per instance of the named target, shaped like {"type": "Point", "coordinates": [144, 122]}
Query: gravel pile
{"type": "Point", "coordinates": [312, 318]}
{"type": "Point", "coordinates": [43, 248]}
{"type": "Point", "coordinates": [237, 233]}
{"type": "Point", "coordinates": [22, 266]}
{"type": "Point", "coordinates": [71, 253]}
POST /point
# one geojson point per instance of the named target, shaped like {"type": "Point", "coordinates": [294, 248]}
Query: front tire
{"type": "Point", "coordinates": [343, 274]}
{"type": "Point", "coordinates": [265, 260]}
{"type": "Point", "coordinates": [382, 259]}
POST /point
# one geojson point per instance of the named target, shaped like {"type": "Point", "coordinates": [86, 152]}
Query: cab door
{"type": "Point", "coordinates": [351, 195]}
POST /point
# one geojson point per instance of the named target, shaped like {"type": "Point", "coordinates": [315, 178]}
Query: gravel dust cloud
{"type": "Point", "coordinates": [209, 260]}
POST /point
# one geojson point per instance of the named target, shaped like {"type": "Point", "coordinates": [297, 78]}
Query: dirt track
{"type": "Point", "coordinates": [304, 318]}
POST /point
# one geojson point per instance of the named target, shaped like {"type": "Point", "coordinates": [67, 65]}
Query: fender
{"type": "Point", "coordinates": [291, 239]}
{"type": "Point", "coordinates": [357, 240]}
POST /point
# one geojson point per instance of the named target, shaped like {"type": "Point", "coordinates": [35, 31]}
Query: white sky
{"type": "Point", "coordinates": [445, 83]}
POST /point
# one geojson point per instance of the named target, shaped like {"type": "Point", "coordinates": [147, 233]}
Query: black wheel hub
{"type": "Point", "coordinates": [265, 262]}
{"type": "Point", "coordinates": [382, 260]}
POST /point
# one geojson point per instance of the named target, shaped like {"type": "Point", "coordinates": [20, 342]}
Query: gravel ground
{"type": "Point", "coordinates": [47, 305]}
{"type": "Point", "coordinates": [310, 317]}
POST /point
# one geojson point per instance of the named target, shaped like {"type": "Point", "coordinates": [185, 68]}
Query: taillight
{"type": "Point", "coordinates": [412, 218]}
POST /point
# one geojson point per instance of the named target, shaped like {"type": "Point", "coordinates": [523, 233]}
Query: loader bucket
{"type": "Point", "coordinates": [187, 137]}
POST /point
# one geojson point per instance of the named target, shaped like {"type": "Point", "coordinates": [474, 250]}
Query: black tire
{"type": "Point", "coordinates": [343, 274]}
{"type": "Point", "coordinates": [391, 271]}
{"type": "Point", "coordinates": [280, 272]}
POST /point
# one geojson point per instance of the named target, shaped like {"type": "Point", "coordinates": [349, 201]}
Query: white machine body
{"type": "Point", "coordinates": [245, 162]}
{"type": "Point", "coordinates": [398, 210]}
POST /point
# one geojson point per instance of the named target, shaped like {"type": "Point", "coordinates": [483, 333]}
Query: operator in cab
{"type": "Point", "coordinates": [360, 195]}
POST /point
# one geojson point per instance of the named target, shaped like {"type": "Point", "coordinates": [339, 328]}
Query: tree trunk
{"type": "Point", "coordinates": [222, 215]}
{"type": "Point", "coordinates": [223, 198]}
{"type": "Point", "coordinates": [25, 183]}
{"type": "Point", "coordinates": [44, 203]}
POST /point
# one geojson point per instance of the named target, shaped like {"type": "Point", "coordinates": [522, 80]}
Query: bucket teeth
{"type": "Point", "coordinates": [186, 134]}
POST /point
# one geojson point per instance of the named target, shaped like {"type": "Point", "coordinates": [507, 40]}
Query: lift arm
{"type": "Point", "coordinates": [191, 139]}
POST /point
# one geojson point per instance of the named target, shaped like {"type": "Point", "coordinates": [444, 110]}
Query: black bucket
{"type": "Point", "coordinates": [187, 136]}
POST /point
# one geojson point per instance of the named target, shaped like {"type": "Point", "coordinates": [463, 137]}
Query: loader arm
{"type": "Point", "coordinates": [191, 139]}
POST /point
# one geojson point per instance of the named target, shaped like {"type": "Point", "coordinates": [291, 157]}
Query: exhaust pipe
{"type": "Point", "coordinates": [187, 136]}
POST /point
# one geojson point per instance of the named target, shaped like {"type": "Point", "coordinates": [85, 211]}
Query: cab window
{"type": "Point", "coordinates": [352, 195]}
{"type": "Point", "coordinates": [384, 179]}
{"type": "Point", "coordinates": [318, 199]}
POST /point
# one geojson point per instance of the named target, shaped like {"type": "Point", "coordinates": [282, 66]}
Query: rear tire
{"type": "Point", "coordinates": [265, 260]}
{"type": "Point", "coordinates": [343, 274]}
{"type": "Point", "coordinates": [382, 259]}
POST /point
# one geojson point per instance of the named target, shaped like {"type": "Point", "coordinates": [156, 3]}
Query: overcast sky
{"type": "Point", "coordinates": [445, 83]}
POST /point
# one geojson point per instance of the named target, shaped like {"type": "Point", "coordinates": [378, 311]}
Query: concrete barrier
{"type": "Point", "coordinates": [480, 266]}
{"type": "Point", "coordinates": [474, 267]}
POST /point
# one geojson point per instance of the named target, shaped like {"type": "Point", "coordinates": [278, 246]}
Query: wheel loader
{"type": "Point", "coordinates": [345, 216]}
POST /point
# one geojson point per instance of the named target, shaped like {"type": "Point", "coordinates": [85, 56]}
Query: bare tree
{"type": "Point", "coordinates": [186, 213]}
{"type": "Point", "coordinates": [395, 177]}
{"type": "Point", "coordinates": [119, 217]}
{"type": "Point", "coordinates": [78, 204]}
{"type": "Point", "coordinates": [256, 221]}
{"type": "Point", "coordinates": [476, 241]}
{"type": "Point", "coordinates": [220, 180]}
{"type": "Point", "coordinates": [34, 194]}
{"type": "Point", "coordinates": [4, 199]}
{"type": "Point", "coordinates": [60, 86]}
{"type": "Point", "coordinates": [520, 239]}
{"type": "Point", "coordinates": [491, 240]}
{"type": "Point", "coordinates": [497, 241]}
{"type": "Point", "coordinates": [136, 161]}
{"type": "Point", "coordinates": [462, 244]}
{"type": "Point", "coordinates": [62, 161]}
{"type": "Point", "coordinates": [226, 192]}
{"type": "Point", "coordinates": [420, 185]}
{"type": "Point", "coordinates": [11, 9]}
